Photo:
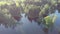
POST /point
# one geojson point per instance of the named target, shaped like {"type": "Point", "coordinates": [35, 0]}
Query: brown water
{"type": "Point", "coordinates": [25, 26]}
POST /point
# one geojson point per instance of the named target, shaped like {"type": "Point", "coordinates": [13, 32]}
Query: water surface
{"type": "Point", "coordinates": [29, 27]}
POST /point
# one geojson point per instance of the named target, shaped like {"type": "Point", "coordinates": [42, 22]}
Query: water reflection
{"type": "Point", "coordinates": [11, 9]}
{"type": "Point", "coordinates": [56, 28]}
{"type": "Point", "coordinates": [57, 22]}
{"type": "Point", "coordinates": [29, 26]}
{"type": "Point", "coordinates": [7, 20]}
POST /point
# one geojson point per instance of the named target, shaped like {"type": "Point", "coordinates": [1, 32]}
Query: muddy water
{"type": "Point", "coordinates": [25, 26]}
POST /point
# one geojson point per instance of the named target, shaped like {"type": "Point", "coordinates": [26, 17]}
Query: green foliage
{"type": "Point", "coordinates": [27, 7]}
{"type": "Point", "coordinates": [49, 20]}
{"type": "Point", "coordinates": [43, 10]}
{"type": "Point", "coordinates": [2, 3]}
{"type": "Point", "coordinates": [53, 1]}
{"type": "Point", "coordinates": [30, 7]}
